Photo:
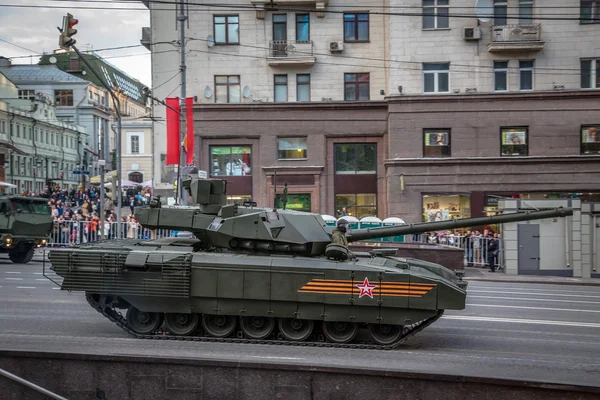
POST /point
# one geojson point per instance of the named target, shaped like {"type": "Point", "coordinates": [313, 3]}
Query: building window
{"type": "Point", "coordinates": [436, 78]}
{"type": "Point", "coordinates": [525, 11]}
{"type": "Point", "coordinates": [18, 130]}
{"type": "Point", "coordinates": [291, 148]}
{"type": "Point", "coordinates": [500, 12]}
{"type": "Point", "coordinates": [514, 141]}
{"type": "Point", "coordinates": [227, 89]}
{"type": "Point", "coordinates": [500, 76]}
{"type": "Point", "coordinates": [27, 94]}
{"type": "Point", "coordinates": [590, 74]}
{"type": "Point", "coordinates": [280, 28]}
{"type": "Point", "coordinates": [443, 207]}
{"type": "Point", "coordinates": [359, 158]}
{"type": "Point", "coordinates": [135, 144]}
{"type": "Point", "coordinates": [358, 205]}
{"type": "Point", "coordinates": [281, 88]}
{"type": "Point", "coordinates": [436, 143]}
{"type": "Point", "coordinates": [302, 27]}
{"type": "Point", "coordinates": [136, 177]}
{"type": "Point", "coordinates": [356, 87]}
{"type": "Point", "coordinates": [230, 160]}
{"type": "Point", "coordinates": [590, 139]}
{"type": "Point", "coordinates": [296, 202]}
{"type": "Point", "coordinates": [74, 64]}
{"type": "Point", "coordinates": [435, 14]}
{"type": "Point", "coordinates": [590, 11]}
{"type": "Point", "coordinates": [303, 87]}
{"type": "Point", "coordinates": [63, 98]}
{"type": "Point", "coordinates": [227, 29]}
{"type": "Point", "coordinates": [356, 27]}
{"type": "Point", "coordinates": [526, 75]}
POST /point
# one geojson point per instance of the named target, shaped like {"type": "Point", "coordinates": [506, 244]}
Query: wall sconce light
{"type": "Point", "coordinates": [382, 92]}
{"type": "Point", "coordinates": [400, 89]}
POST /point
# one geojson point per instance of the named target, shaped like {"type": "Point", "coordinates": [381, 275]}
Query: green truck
{"type": "Point", "coordinates": [25, 223]}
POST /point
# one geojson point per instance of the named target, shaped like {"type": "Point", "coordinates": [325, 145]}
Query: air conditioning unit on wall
{"type": "Point", "coordinates": [472, 33]}
{"type": "Point", "coordinates": [336, 47]}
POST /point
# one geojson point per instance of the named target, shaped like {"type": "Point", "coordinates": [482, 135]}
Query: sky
{"type": "Point", "coordinates": [34, 29]}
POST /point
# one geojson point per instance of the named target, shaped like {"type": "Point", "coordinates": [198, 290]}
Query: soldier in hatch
{"type": "Point", "coordinates": [338, 235]}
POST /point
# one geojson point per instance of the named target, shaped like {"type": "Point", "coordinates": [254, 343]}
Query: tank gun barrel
{"type": "Point", "coordinates": [372, 233]}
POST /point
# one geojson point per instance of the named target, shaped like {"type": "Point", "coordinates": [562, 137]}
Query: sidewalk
{"type": "Point", "coordinates": [484, 275]}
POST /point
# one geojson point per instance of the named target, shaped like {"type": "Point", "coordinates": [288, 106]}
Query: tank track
{"type": "Point", "coordinates": [115, 316]}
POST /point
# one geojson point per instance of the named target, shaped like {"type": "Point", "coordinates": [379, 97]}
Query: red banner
{"type": "Point", "coordinates": [173, 133]}
{"type": "Point", "coordinates": [189, 136]}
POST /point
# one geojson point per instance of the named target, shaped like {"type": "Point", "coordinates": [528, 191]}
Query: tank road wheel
{"type": "Point", "coordinates": [218, 325]}
{"type": "Point", "coordinates": [296, 330]}
{"type": "Point", "coordinates": [340, 332]}
{"type": "Point", "coordinates": [143, 322]}
{"type": "Point", "coordinates": [257, 327]}
{"type": "Point", "coordinates": [22, 257]}
{"type": "Point", "coordinates": [385, 334]}
{"type": "Point", "coordinates": [181, 324]}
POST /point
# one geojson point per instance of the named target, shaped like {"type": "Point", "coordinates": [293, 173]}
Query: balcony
{"type": "Point", "coordinates": [515, 38]}
{"type": "Point", "coordinates": [291, 53]}
{"type": "Point", "coordinates": [146, 40]}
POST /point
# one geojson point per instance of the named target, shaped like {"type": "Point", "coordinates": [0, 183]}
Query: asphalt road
{"type": "Point", "coordinates": [521, 331]}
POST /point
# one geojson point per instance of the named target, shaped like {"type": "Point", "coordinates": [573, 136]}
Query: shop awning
{"type": "Point", "coordinates": [107, 177]}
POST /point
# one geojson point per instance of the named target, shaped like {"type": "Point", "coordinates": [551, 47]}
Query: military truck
{"type": "Point", "coordinates": [25, 223]}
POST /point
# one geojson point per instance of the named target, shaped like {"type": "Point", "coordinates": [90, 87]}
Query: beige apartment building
{"type": "Point", "coordinates": [413, 109]}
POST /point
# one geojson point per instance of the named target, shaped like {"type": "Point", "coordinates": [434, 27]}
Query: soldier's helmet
{"type": "Point", "coordinates": [342, 224]}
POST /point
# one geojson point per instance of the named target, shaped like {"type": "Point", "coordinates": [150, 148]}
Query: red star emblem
{"type": "Point", "coordinates": [366, 289]}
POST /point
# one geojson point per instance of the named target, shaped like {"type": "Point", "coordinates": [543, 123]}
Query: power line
{"type": "Point", "coordinates": [16, 45]}
{"type": "Point", "coordinates": [419, 63]}
{"type": "Point", "coordinates": [557, 17]}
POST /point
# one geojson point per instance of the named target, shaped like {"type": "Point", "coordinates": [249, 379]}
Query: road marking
{"type": "Point", "coordinates": [46, 280]}
{"type": "Point", "coordinates": [55, 288]}
{"type": "Point", "coordinates": [38, 273]}
{"type": "Point", "coordinates": [7, 272]}
{"type": "Point", "coordinates": [523, 321]}
{"type": "Point", "coordinates": [528, 299]}
{"type": "Point", "coordinates": [532, 308]}
{"type": "Point", "coordinates": [13, 279]}
{"type": "Point", "coordinates": [588, 289]}
{"type": "Point", "coordinates": [532, 294]}
{"type": "Point", "coordinates": [25, 287]}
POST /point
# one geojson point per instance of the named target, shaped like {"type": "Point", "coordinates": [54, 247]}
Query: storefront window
{"type": "Point", "coordinates": [358, 158]}
{"type": "Point", "coordinates": [436, 143]}
{"type": "Point", "coordinates": [514, 141]}
{"type": "Point", "coordinates": [590, 139]}
{"type": "Point", "coordinates": [356, 205]}
{"type": "Point", "coordinates": [296, 202]}
{"type": "Point", "coordinates": [291, 148]}
{"type": "Point", "coordinates": [446, 207]}
{"type": "Point", "coordinates": [238, 200]}
{"type": "Point", "coordinates": [230, 160]}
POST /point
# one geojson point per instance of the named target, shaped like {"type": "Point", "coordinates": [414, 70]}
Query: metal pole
{"type": "Point", "coordinates": [116, 187]}
{"type": "Point", "coordinates": [31, 385]}
{"type": "Point", "coordinates": [101, 163]}
{"type": "Point", "coordinates": [181, 17]}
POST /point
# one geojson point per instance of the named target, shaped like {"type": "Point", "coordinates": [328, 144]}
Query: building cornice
{"type": "Point", "coordinates": [299, 106]}
{"type": "Point", "coordinates": [507, 96]}
{"type": "Point", "coordinates": [395, 162]}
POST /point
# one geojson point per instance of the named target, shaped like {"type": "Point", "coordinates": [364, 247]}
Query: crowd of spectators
{"type": "Point", "coordinates": [76, 215]}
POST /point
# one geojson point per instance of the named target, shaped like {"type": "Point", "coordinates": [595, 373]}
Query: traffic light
{"type": "Point", "coordinates": [67, 32]}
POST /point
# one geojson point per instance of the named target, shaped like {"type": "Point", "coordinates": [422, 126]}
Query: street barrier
{"type": "Point", "coordinates": [68, 233]}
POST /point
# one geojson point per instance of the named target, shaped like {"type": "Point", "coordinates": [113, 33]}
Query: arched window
{"type": "Point", "coordinates": [136, 177]}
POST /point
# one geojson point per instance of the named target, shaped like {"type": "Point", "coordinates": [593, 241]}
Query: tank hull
{"type": "Point", "coordinates": [168, 278]}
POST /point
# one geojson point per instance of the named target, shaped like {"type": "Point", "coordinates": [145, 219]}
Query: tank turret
{"type": "Point", "coordinates": [217, 224]}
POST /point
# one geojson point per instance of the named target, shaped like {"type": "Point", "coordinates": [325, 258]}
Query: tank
{"type": "Point", "coordinates": [25, 223]}
{"type": "Point", "coordinates": [263, 275]}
